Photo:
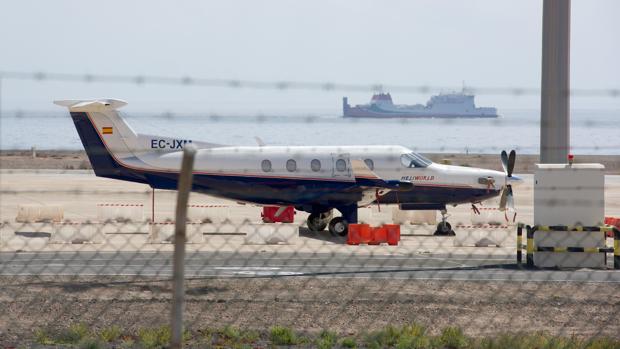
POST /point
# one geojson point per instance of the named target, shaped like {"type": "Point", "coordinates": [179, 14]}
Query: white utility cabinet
{"type": "Point", "coordinates": [569, 195]}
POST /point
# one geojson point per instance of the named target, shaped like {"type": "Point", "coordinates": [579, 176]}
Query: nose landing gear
{"type": "Point", "coordinates": [444, 228]}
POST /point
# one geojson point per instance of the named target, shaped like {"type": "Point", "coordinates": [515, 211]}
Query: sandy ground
{"type": "Point", "coordinates": [52, 159]}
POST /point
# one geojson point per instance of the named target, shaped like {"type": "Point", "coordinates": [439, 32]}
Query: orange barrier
{"type": "Point", "coordinates": [365, 234]}
{"type": "Point", "coordinates": [614, 222]}
{"type": "Point", "coordinates": [393, 234]}
{"type": "Point", "coordinates": [269, 214]}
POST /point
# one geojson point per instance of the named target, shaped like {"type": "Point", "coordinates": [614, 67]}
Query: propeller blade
{"type": "Point", "coordinates": [503, 199]}
{"type": "Point", "coordinates": [505, 161]}
{"type": "Point", "coordinates": [511, 162]}
{"type": "Point", "coordinates": [510, 201]}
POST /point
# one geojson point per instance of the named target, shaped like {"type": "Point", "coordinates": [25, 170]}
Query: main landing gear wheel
{"type": "Point", "coordinates": [444, 229]}
{"type": "Point", "coordinates": [339, 226]}
{"type": "Point", "coordinates": [316, 222]}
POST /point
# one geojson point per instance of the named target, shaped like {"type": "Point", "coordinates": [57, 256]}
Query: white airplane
{"type": "Point", "coordinates": [314, 179]}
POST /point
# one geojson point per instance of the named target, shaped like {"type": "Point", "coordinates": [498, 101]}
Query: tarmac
{"type": "Point", "coordinates": [127, 248]}
{"type": "Point", "coordinates": [297, 264]}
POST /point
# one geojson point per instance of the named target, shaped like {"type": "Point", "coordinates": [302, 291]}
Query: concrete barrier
{"type": "Point", "coordinates": [114, 227]}
{"type": "Point", "coordinates": [491, 215]}
{"type": "Point", "coordinates": [484, 235]}
{"type": "Point", "coordinates": [261, 234]}
{"type": "Point", "coordinates": [414, 216]}
{"type": "Point", "coordinates": [39, 213]}
{"type": "Point", "coordinates": [25, 236]}
{"type": "Point", "coordinates": [164, 233]}
{"type": "Point", "coordinates": [208, 213]}
{"type": "Point", "coordinates": [120, 212]}
{"type": "Point", "coordinates": [76, 233]}
{"type": "Point", "coordinates": [364, 214]}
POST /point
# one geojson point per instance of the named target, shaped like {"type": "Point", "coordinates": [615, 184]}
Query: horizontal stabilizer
{"type": "Point", "coordinates": [78, 105]}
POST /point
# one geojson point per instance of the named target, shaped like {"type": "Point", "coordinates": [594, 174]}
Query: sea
{"type": "Point", "coordinates": [593, 132]}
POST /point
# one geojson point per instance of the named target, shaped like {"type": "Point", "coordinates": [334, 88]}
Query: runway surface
{"type": "Point", "coordinates": [269, 264]}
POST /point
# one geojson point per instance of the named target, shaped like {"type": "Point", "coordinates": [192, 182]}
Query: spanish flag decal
{"type": "Point", "coordinates": [107, 130]}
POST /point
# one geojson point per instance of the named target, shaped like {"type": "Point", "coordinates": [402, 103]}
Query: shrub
{"type": "Point", "coordinates": [90, 343]}
{"type": "Point", "coordinates": [230, 332]}
{"type": "Point", "coordinates": [413, 337]}
{"type": "Point", "coordinates": [280, 335]}
{"type": "Point", "coordinates": [348, 342]}
{"type": "Point", "coordinates": [110, 334]}
{"type": "Point", "coordinates": [452, 338]}
{"type": "Point", "coordinates": [43, 337]}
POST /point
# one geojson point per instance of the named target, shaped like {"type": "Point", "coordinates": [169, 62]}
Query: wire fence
{"type": "Point", "coordinates": [88, 261]}
{"type": "Point", "coordinates": [290, 85]}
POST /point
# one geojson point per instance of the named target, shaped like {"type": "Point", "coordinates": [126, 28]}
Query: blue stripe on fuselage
{"type": "Point", "coordinates": [263, 190]}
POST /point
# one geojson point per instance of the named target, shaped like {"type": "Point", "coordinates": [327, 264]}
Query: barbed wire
{"type": "Point", "coordinates": [290, 84]}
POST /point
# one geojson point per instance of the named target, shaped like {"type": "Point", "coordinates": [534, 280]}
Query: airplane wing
{"type": "Point", "coordinates": [366, 177]}
{"type": "Point", "coordinates": [373, 186]}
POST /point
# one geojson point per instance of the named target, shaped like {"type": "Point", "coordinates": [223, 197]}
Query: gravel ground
{"type": "Point", "coordinates": [347, 306]}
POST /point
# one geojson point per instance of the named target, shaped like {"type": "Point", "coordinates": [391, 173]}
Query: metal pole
{"type": "Point", "coordinates": [555, 86]}
{"type": "Point", "coordinates": [178, 271]}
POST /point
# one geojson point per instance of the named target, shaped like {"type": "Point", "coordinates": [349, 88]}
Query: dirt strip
{"type": "Point", "coordinates": [348, 306]}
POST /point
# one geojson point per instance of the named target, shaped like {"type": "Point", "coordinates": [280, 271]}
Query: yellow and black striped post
{"type": "Point", "coordinates": [519, 244]}
{"type": "Point", "coordinates": [616, 248]}
{"type": "Point", "coordinates": [529, 256]}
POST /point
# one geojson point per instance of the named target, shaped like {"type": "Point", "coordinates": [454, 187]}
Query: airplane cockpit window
{"type": "Point", "coordinates": [266, 165]}
{"type": "Point", "coordinates": [414, 160]}
{"type": "Point", "coordinates": [341, 165]}
{"type": "Point", "coordinates": [370, 164]}
{"type": "Point", "coordinates": [315, 165]}
{"type": "Point", "coordinates": [291, 165]}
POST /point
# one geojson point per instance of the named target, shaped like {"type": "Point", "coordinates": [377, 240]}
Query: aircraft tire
{"type": "Point", "coordinates": [444, 230]}
{"type": "Point", "coordinates": [338, 226]}
{"type": "Point", "coordinates": [315, 223]}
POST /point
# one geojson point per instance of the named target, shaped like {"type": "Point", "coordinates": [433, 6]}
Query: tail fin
{"type": "Point", "coordinates": [105, 135]}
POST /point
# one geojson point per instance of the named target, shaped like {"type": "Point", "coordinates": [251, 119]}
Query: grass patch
{"type": "Point", "coordinates": [280, 335]}
{"type": "Point", "coordinates": [326, 340]}
{"type": "Point", "coordinates": [151, 338]}
{"type": "Point", "coordinates": [74, 334]}
{"type": "Point", "coordinates": [412, 336]}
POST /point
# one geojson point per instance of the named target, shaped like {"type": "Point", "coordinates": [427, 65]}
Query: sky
{"type": "Point", "coordinates": [484, 43]}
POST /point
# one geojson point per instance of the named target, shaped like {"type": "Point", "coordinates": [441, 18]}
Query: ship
{"type": "Point", "coordinates": [443, 105]}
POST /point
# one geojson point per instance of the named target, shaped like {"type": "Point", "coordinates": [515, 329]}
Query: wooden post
{"type": "Point", "coordinates": [178, 266]}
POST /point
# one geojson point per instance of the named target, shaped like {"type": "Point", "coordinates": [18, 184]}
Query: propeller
{"type": "Point", "coordinates": [508, 163]}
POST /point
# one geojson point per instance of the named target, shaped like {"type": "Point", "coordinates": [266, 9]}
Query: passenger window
{"type": "Point", "coordinates": [266, 165]}
{"type": "Point", "coordinates": [341, 165]}
{"type": "Point", "coordinates": [315, 165]}
{"type": "Point", "coordinates": [370, 164]}
{"type": "Point", "coordinates": [291, 165]}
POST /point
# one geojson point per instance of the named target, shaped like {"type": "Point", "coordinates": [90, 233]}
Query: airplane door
{"type": "Point", "coordinates": [341, 165]}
